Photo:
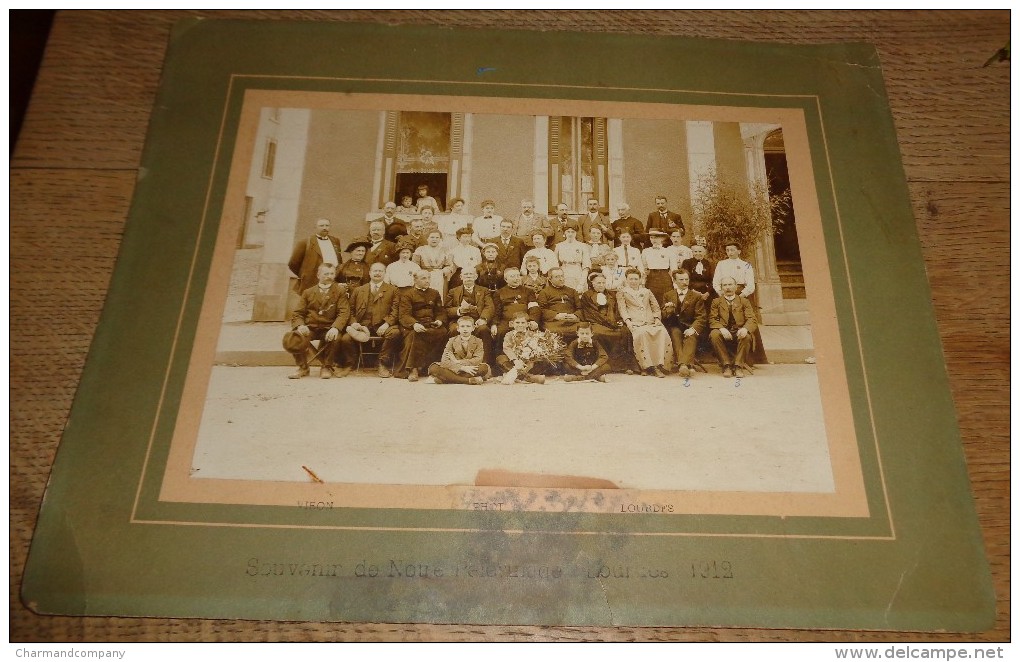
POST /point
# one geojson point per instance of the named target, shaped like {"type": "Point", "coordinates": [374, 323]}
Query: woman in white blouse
{"type": "Point", "coordinates": [639, 310]}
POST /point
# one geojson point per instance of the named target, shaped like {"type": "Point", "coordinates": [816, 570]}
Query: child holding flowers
{"type": "Point", "coordinates": [524, 351]}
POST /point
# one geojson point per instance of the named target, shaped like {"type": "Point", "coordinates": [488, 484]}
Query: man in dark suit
{"type": "Point", "coordinates": [510, 250]}
{"type": "Point", "coordinates": [310, 253]}
{"type": "Point", "coordinates": [509, 300]}
{"type": "Point", "coordinates": [685, 315]}
{"type": "Point", "coordinates": [557, 223]}
{"type": "Point", "coordinates": [627, 223]}
{"type": "Point", "coordinates": [662, 219]}
{"type": "Point", "coordinates": [382, 249]}
{"type": "Point", "coordinates": [423, 319]}
{"type": "Point", "coordinates": [321, 315]}
{"type": "Point", "coordinates": [474, 301]}
{"type": "Point", "coordinates": [560, 306]}
{"type": "Point", "coordinates": [373, 313]}
{"type": "Point", "coordinates": [593, 218]}
{"type": "Point", "coordinates": [528, 223]}
{"type": "Point", "coordinates": [395, 226]}
{"type": "Point", "coordinates": [733, 324]}
{"type": "Point", "coordinates": [701, 271]}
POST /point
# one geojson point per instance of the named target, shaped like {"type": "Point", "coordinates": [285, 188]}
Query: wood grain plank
{"type": "Point", "coordinates": [91, 104]}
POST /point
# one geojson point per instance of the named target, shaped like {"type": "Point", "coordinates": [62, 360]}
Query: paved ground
{"type": "Point", "coordinates": [763, 433]}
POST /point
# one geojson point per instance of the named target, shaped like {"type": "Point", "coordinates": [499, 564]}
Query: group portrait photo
{"type": "Point", "coordinates": [526, 294]}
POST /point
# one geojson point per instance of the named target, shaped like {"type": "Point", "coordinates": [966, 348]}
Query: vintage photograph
{"type": "Point", "coordinates": [435, 301]}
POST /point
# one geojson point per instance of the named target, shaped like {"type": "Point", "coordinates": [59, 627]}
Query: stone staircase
{"type": "Point", "coordinates": [795, 305]}
{"type": "Point", "coordinates": [791, 275]}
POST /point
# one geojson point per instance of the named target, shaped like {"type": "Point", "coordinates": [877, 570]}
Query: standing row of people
{"type": "Point", "coordinates": [578, 260]}
{"type": "Point", "coordinates": [613, 250]}
{"type": "Point", "coordinates": [528, 221]}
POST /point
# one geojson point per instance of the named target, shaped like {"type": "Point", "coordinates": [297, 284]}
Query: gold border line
{"type": "Point", "coordinates": [673, 534]}
{"type": "Point", "coordinates": [494, 83]}
{"type": "Point", "coordinates": [184, 300]}
{"type": "Point", "coordinates": [857, 326]}
{"type": "Point", "coordinates": [201, 228]}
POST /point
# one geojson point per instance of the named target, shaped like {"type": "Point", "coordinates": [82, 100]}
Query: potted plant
{"type": "Point", "coordinates": [726, 210]}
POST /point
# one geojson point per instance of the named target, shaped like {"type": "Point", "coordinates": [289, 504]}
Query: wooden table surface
{"type": "Point", "coordinates": [74, 169]}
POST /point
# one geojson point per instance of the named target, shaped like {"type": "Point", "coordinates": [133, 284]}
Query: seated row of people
{"type": "Point", "coordinates": [413, 323]}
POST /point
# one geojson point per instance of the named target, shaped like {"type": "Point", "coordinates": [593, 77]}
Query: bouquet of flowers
{"type": "Point", "coordinates": [531, 348]}
{"type": "Point", "coordinates": [547, 346]}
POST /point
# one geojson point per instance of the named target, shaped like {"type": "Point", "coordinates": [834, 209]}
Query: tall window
{"type": "Point", "coordinates": [423, 155]}
{"type": "Point", "coordinates": [578, 162]}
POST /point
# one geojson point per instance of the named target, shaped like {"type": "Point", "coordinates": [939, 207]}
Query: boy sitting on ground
{"type": "Point", "coordinates": [585, 359]}
{"type": "Point", "coordinates": [463, 360]}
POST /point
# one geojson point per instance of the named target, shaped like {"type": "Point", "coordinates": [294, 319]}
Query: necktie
{"type": "Point", "coordinates": [626, 257]}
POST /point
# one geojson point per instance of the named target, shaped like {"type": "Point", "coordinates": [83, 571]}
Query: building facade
{"type": "Point", "coordinates": [345, 165]}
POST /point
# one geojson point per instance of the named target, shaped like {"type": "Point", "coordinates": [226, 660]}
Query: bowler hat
{"type": "Point", "coordinates": [361, 335]}
{"type": "Point", "coordinates": [294, 342]}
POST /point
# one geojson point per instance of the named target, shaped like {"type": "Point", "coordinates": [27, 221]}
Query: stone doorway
{"type": "Point", "coordinates": [787, 249]}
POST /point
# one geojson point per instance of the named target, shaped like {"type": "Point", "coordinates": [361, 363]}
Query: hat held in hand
{"type": "Point", "coordinates": [295, 343]}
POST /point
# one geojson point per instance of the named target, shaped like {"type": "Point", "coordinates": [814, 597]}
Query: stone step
{"type": "Point", "coordinates": [794, 291]}
{"type": "Point", "coordinates": [787, 318]}
{"type": "Point", "coordinates": [791, 278]}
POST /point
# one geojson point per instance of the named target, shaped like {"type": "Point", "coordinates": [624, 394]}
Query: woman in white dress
{"type": "Point", "coordinates": [574, 259]}
{"type": "Point", "coordinates": [659, 263]}
{"type": "Point", "coordinates": [640, 312]}
{"type": "Point", "coordinates": [435, 259]}
{"type": "Point", "coordinates": [401, 273]}
{"type": "Point", "coordinates": [464, 255]}
{"type": "Point", "coordinates": [453, 221]}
